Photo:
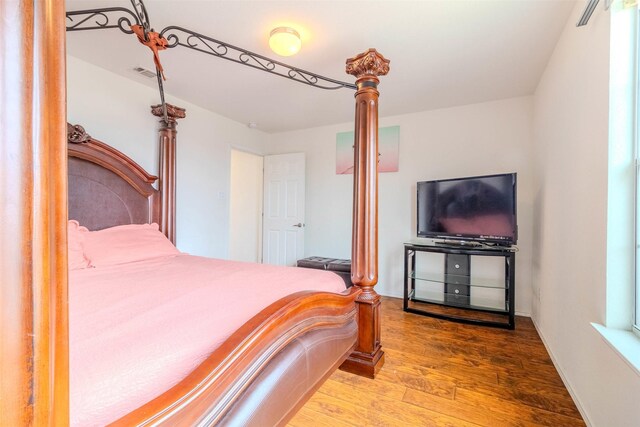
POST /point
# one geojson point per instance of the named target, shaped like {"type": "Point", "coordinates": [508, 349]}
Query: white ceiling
{"type": "Point", "coordinates": [443, 53]}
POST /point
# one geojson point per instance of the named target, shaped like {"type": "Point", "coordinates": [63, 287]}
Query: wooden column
{"type": "Point", "coordinates": [368, 356]}
{"type": "Point", "coordinates": [33, 215]}
{"type": "Point", "coordinates": [167, 170]}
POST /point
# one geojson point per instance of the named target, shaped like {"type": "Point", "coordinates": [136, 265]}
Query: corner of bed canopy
{"type": "Point", "coordinates": [136, 21]}
{"type": "Point", "coordinates": [368, 357]}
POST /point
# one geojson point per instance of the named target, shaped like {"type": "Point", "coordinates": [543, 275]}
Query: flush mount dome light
{"type": "Point", "coordinates": [285, 41]}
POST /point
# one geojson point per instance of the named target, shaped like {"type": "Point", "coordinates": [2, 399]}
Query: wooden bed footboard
{"type": "Point", "coordinates": [212, 389]}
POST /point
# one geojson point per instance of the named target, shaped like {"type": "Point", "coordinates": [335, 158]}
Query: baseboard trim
{"type": "Point", "coordinates": [564, 379]}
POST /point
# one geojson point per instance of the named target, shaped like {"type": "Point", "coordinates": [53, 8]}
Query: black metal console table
{"type": "Point", "coordinates": [456, 294]}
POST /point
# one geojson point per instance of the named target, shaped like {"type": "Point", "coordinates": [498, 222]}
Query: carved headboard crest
{"type": "Point", "coordinates": [76, 134]}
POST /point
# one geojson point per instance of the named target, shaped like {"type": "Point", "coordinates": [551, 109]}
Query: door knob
{"type": "Point", "coordinates": [300, 225]}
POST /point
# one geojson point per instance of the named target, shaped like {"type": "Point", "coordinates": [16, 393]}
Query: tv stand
{"type": "Point", "coordinates": [455, 293]}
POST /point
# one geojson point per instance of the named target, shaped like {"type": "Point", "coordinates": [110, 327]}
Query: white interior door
{"type": "Point", "coordinates": [283, 224]}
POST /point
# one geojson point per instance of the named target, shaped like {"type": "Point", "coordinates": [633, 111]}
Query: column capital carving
{"type": "Point", "coordinates": [173, 112]}
{"type": "Point", "coordinates": [368, 64]}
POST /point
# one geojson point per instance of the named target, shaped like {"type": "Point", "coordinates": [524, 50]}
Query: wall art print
{"type": "Point", "coordinates": [388, 147]}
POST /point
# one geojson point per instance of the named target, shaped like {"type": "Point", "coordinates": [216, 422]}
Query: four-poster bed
{"type": "Point", "coordinates": [286, 349]}
{"type": "Point", "coordinates": [240, 376]}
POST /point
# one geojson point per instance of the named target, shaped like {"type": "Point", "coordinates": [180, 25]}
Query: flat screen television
{"type": "Point", "coordinates": [479, 208]}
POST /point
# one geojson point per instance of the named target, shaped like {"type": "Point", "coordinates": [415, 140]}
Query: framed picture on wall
{"type": "Point", "coordinates": [388, 147]}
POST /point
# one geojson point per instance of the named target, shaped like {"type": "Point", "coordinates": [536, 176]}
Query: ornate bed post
{"type": "Point", "coordinates": [167, 170]}
{"type": "Point", "coordinates": [34, 386]}
{"type": "Point", "coordinates": [368, 356]}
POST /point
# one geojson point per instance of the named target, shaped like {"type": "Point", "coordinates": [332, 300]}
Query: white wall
{"type": "Point", "coordinates": [245, 213]}
{"type": "Point", "coordinates": [479, 139]}
{"type": "Point", "coordinates": [116, 110]}
{"type": "Point", "coordinates": [570, 223]}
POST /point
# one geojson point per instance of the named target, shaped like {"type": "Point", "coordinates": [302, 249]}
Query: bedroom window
{"type": "Point", "coordinates": [622, 319]}
{"type": "Point", "coordinates": [636, 316]}
{"type": "Point", "coordinates": [623, 214]}
{"type": "Point", "coordinates": [636, 92]}
{"type": "Point", "coordinates": [636, 312]}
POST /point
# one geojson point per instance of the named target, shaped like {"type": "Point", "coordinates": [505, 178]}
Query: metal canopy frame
{"type": "Point", "coordinates": [123, 18]}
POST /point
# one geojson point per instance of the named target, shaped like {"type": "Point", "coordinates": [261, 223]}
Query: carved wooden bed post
{"type": "Point", "coordinates": [167, 170]}
{"type": "Point", "coordinates": [368, 356]}
{"type": "Point", "coordinates": [34, 387]}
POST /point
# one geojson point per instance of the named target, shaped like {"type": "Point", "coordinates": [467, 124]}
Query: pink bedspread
{"type": "Point", "coordinates": [137, 329]}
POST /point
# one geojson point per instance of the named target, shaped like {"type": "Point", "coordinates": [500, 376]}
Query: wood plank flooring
{"type": "Point", "coordinates": [440, 373]}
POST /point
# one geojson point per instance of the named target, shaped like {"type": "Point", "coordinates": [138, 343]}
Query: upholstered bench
{"type": "Point", "coordinates": [342, 267]}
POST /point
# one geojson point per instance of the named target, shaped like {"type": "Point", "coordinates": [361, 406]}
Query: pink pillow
{"type": "Point", "coordinates": [127, 243]}
{"type": "Point", "coordinates": [75, 238]}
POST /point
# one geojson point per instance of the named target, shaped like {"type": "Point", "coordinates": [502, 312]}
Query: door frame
{"type": "Point", "coordinates": [247, 150]}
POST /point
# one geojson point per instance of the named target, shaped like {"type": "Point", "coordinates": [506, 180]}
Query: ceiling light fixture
{"type": "Point", "coordinates": [285, 41]}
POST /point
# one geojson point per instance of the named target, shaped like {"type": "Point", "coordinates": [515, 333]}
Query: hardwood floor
{"type": "Point", "coordinates": [440, 373]}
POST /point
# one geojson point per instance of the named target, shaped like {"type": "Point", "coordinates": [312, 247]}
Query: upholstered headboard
{"type": "Point", "coordinates": [107, 188]}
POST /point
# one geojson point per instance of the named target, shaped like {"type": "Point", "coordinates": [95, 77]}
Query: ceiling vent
{"type": "Point", "coordinates": [144, 72]}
